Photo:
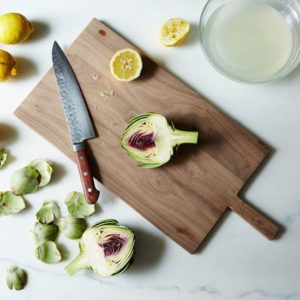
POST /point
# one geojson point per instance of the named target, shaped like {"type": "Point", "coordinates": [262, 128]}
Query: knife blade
{"type": "Point", "coordinates": [77, 117]}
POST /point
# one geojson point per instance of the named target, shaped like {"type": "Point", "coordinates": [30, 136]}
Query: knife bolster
{"type": "Point", "coordinates": [77, 147]}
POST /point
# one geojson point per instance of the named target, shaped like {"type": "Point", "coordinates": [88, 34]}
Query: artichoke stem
{"type": "Point", "coordinates": [184, 137]}
{"type": "Point", "coordinates": [79, 263]}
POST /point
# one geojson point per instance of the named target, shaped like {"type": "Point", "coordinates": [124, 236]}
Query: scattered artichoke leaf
{"type": "Point", "coordinates": [3, 157]}
{"type": "Point", "coordinates": [10, 203]}
{"type": "Point", "coordinates": [48, 212]}
{"type": "Point", "coordinates": [16, 278]}
{"type": "Point", "coordinates": [44, 232]}
{"type": "Point", "coordinates": [106, 248]}
{"type": "Point", "coordinates": [71, 227]}
{"type": "Point", "coordinates": [77, 205]}
{"type": "Point", "coordinates": [25, 181]}
{"type": "Point", "coordinates": [44, 168]}
{"type": "Point", "coordinates": [48, 253]}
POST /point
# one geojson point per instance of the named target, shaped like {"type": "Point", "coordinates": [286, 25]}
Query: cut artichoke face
{"type": "Point", "coordinates": [106, 248]}
{"type": "Point", "coordinates": [44, 168]}
{"type": "Point", "coordinates": [148, 140]}
{"type": "Point", "coordinates": [48, 212]}
{"type": "Point", "coordinates": [25, 181]}
{"type": "Point", "coordinates": [10, 203]}
{"type": "Point", "coordinates": [111, 248]}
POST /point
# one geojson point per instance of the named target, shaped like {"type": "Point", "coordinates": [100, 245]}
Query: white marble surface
{"type": "Point", "coordinates": [237, 262]}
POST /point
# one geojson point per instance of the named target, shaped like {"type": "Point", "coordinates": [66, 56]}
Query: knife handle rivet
{"type": "Point", "coordinates": [90, 190]}
{"type": "Point", "coordinates": [81, 157]}
{"type": "Point", "coordinates": [85, 173]}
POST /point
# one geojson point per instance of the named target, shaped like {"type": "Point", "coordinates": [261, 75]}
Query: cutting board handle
{"type": "Point", "coordinates": [260, 222]}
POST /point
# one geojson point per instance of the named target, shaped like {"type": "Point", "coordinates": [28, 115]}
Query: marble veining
{"type": "Point", "coordinates": [236, 261]}
{"type": "Point", "coordinates": [268, 295]}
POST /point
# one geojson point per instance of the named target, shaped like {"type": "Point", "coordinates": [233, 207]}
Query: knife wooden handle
{"type": "Point", "coordinates": [260, 222]}
{"type": "Point", "coordinates": [90, 192]}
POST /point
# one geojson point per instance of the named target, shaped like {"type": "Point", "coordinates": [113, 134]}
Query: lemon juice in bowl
{"type": "Point", "coordinates": [251, 40]}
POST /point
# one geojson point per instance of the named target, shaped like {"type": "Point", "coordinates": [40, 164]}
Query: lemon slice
{"type": "Point", "coordinates": [174, 31]}
{"type": "Point", "coordinates": [126, 65]}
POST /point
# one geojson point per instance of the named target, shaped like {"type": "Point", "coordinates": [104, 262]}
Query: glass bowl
{"type": "Point", "coordinates": [284, 47]}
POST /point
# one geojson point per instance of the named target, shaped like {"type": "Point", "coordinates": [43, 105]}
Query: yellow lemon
{"type": "Point", "coordinates": [14, 28]}
{"type": "Point", "coordinates": [174, 31]}
{"type": "Point", "coordinates": [7, 65]}
{"type": "Point", "coordinates": [126, 65]}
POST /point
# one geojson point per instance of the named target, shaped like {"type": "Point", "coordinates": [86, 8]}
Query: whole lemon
{"type": "Point", "coordinates": [7, 65]}
{"type": "Point", "coordinates": [14, 28]}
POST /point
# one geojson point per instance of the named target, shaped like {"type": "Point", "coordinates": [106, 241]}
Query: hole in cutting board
{"type": "Point", "coordinates": [102, 32]}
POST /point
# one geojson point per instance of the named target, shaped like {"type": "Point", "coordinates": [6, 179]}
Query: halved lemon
{"type": "Point", "coordinates": [126, 65]}
{"type": "Point", "coordinates": [174, 31]}
{"type": "Point", "coordinates": [7, 65]}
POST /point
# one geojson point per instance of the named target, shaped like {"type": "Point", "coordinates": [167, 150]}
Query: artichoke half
{"type": "Point", "coordinates": [106, 248]}
{"type": "Point", "coordinates": [149, 139]}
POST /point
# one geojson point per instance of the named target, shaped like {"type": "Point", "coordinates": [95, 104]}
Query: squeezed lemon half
{"type": "Point", "coordinates": [14, 28]}
{"type": "Point", "coordinates": [126, 65]}
{"type": "Point", "coordinates": [7, 66]}
{"type": "Point", "coordinates": [174, 31]}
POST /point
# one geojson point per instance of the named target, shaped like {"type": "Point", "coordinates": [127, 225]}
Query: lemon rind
{"type": "Point", "coordinates": [138, 72]}
{"type": "Point", "coordinates": [179, 40]}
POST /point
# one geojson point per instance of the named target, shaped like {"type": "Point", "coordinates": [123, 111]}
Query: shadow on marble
{"type": "Point", "coordinates": [26, 68]}
{"type": "Point", "coordinates": [193, 36]}
{"type": "Point", "coordinates": [27, 208]}
{"type": "Point", "coordinates": [8, 134]}
{"type": "Point", "coordinates": [150, 250]}
{"type": "Point", "coordinates": [65, 253]}
{"type": "Point", "coordinates": [41, 30]}
{"type": "Point", "coordinates": [59, 171]}
{"type": "Point", "coordinates": [98, 209]}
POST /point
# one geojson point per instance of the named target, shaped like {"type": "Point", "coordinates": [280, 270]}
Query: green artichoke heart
{"type": "Point", "coordinates": [106, 248]}
{"type": "Point", "coordinates": [149, 139]}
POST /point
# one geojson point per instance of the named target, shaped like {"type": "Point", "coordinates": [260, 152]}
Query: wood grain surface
{"type": "Point", "coordinates": [184, 198]}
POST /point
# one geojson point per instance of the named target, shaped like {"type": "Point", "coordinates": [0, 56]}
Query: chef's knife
{"type": "Point", "coordinates": [78, 118]}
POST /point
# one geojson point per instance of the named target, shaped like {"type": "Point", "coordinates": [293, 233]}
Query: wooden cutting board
{"type": "Point", "coordinates": [184, 198]}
